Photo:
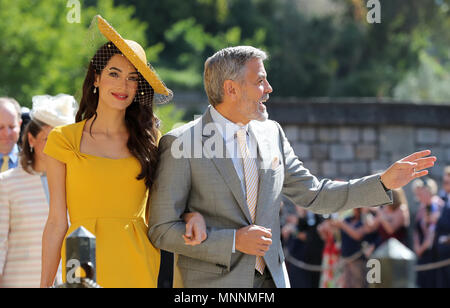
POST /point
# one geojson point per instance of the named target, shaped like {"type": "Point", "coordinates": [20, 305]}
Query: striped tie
{"type": "Point", "coordinates": [251, 184]}
{"type": "Point", "coordinates": [5, 165]}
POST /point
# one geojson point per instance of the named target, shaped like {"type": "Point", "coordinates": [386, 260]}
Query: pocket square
{"type": "Point", "coordinates": [275, 163]}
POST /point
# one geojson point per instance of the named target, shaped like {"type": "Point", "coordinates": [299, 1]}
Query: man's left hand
{"type": "Point", "coordinates": [195, 229]}
{"type": "Point", "coordinates": [407, 169]}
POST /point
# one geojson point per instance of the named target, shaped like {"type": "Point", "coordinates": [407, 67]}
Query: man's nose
{"type": "Point", "coordinates": [269, 88]}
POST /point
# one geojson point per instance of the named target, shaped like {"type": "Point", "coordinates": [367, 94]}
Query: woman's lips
{"type": "Point", "coordinates": [120, 96]}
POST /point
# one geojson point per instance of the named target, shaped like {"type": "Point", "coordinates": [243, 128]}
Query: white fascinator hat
{"type": "Point", "coordinates": [54, 110]}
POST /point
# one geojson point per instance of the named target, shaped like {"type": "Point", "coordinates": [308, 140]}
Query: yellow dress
{"type": "Point", "coordinates": [104, 196]}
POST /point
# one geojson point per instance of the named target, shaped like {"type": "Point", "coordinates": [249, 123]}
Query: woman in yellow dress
{"type": "Point", "coordinates": [101, 167]}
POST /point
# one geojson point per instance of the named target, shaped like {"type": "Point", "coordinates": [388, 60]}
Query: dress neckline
{"type": "Point", "coordinates": [80, 136]}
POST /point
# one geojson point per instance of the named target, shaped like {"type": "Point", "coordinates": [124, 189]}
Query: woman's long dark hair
{"type": "Point", "coordinates": [140, 120]}
{"type": "Point", "coordinates": [27, 156]}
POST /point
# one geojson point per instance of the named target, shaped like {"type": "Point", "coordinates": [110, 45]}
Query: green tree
{"type": "Point", "coordinates": [325, 48]}
{"type": "Point", "coordinates": [42, 52]}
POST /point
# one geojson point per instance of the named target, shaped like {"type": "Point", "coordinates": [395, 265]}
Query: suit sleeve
{"type": "Point", "coordinates": [168, 201]}
{"type": "Point", "coordinates": [326, 196]}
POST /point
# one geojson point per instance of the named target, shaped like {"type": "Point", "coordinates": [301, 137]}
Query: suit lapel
{"type": "Point", "coordinates": [223, 163]}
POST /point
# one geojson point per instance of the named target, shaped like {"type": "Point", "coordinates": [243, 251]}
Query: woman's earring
{"type": "Point", "coordinates": [31, 149]}
{"type": "Point", "coordinates": [95, 90]}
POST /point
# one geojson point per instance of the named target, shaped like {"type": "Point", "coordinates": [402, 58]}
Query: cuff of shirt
{"type": "Point", "coordinates": [234, 241]}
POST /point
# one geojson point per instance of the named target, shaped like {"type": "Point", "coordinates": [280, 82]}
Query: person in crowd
{"type": "Point", "coordinates": [24, 198]}
{"type": "Point", "coordinates": [331, 254]}
{"type": "Point", "coordinates": [353, 232]}
{"type": "Point", "coordinates": [442, 236]}
{"type": "Point", "coordinates": [303, 243]}
{"type": "Point", "coordinates": [392, 221]}
{"type": "Point", "coordinates": [425, 226]}
{"type": "Point", "coordinates": [100, 169]}
{"type": "Point", "coordinates": [372, 238]}
{"type": "Point", "coordinates": [10, 122]}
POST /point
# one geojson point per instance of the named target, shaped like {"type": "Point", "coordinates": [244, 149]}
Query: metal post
{"type": "Point", "coordinates": [80, 253]}
{"type": "Point", "coordinates": [397, 264]}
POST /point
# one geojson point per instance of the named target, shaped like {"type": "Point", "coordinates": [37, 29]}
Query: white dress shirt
{"type": "Point", "coordinates": [228, 131]}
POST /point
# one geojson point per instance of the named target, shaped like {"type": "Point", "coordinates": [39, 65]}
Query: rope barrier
{"type": "Point", "coordinates": [319, 268]}
{"type": "Point", "coordinates": [432, 266]}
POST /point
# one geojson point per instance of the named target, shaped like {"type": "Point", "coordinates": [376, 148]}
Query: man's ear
{"type": "Point", "coordinates": [230, 88]}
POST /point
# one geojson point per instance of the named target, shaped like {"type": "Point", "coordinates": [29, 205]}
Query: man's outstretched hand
{"type": "Point", "coordinates": [407, 169]}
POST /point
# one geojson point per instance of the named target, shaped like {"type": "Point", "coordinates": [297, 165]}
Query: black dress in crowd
{"type": "Point", "coordinates": [309, 252]}
{"type": "Point", "coordinates": [443, 249]}
{"type": "Point", "coordinates": [425, 279]}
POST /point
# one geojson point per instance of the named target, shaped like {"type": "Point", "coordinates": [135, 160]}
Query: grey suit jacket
{"type": "Point", "coordinates": [195, 175]}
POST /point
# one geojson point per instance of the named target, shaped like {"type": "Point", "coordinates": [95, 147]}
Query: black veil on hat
{"type": "Point", "coordinates": [107, 41]}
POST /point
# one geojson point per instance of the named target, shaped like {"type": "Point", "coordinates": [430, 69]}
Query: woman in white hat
{"type": "Point", "coordinates": [103, 166]}
{"type": "Point", "coordinates": [24, 197]}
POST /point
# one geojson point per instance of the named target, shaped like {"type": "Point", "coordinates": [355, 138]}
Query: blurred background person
{"type": "Point", "coordinates": [372, 237]}
{"type": "Point", "coordinates": [392, 221]}
{"type": "Point", "coordinates": [442, 238]}
{"type": "Point", "coordinates": [303, 243]}
{"type": "Point", "coordinates": [352, 231]}
{"type": "Point", "coordinates": [424, 229]}
{"type": "Point", "coordinates": [329, 233]}
{"type": "Point", "coordinates": [10, 122]}
{"type": "Point", "coordinates": [24, 197]}
{"type": "Point", "coordinates": [25, 115]}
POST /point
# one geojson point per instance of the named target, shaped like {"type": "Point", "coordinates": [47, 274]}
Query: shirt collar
{"type": "Point", "coordinates": [227, 129]}
{"type": "Point", "coordinates": [13, 155]}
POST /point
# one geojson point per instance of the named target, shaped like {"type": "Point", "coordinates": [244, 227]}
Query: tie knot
{"type": "Point", "coordinates": [5, 165]}
{"type": "Point", "coordinates": [241, 134]}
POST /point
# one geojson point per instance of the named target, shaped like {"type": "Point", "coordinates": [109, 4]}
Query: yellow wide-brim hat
{"type": "Point", "coordinates": [135, 54]}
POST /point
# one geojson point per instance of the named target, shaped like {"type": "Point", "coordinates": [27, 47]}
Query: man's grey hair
{"type": "Point", "coordinates": [12, 101]}
{"type": "Point", "coordinates": [227, 64]}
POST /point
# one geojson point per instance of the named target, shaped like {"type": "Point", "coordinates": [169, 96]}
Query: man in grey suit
{"type": "Point", "coordinates": [232, 166]}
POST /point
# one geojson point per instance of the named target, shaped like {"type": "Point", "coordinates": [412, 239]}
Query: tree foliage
{"type": "Point", "coordinates": [319, 48]}
{"type": "Point", "coordinates": [325, 48]}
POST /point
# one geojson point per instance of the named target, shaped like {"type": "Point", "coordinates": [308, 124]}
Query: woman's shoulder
{"type": "Point", "coordinates": [70, 129]}
{"type": "Point", "coordinates": [63, 140]}
{"type": "Point", "coordinates": [69, 133]}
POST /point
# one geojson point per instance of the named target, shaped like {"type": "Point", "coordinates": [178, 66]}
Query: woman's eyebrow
{"type": "Point", "coordinates": [116, 69]}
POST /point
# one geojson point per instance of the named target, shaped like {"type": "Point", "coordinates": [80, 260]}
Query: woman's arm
{"type": "Point", "coordinates": [418, 248]}
{"type": "Point", "coordinates": [56, 226]}
{"type": "Point", "coordinates": [355, 233]}
{"type": "Point", "coordinates": [427, 243]}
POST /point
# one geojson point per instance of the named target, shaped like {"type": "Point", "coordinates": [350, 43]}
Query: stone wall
{"type": "Point", "coordinates": [347, 151]}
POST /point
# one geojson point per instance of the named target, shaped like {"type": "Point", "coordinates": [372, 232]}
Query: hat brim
{"type": "Point", "coordinates": [112, 35]}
